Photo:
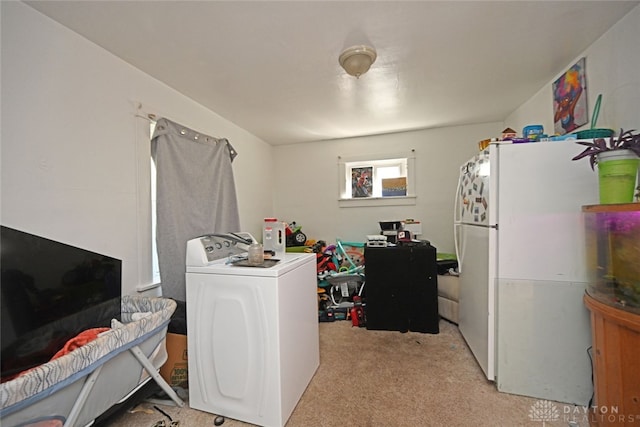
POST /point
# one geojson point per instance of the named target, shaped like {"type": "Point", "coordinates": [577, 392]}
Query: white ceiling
{"type": "Point", "coordinates": [272, 67]}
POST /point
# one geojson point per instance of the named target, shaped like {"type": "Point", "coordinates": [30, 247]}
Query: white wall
{"type": "Point", "coordinates": [307, 182]}
{"type": "Point", "coordinates": [68, 140]}
{"type": "Point", "coordinates": [612, 69]}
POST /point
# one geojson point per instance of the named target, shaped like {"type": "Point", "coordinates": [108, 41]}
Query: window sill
{"type": "Point", "coordinates": [144, 288]}
{"type": "Point", "coordinates": [377, 201]}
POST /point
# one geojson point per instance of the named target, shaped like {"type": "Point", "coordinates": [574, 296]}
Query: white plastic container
{"type": "Point", "coordinates": [274, 237]}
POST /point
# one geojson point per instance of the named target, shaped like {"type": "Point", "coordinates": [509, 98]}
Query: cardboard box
{"type": "Point", "coordinates": [175, 371]}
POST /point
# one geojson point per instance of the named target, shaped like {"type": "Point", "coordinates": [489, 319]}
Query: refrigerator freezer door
{"type": "Point", "coordinates": [477, 294]}
{"type": "Point", "coordinates": [473, 204]}
{"type": "Point", "coordinates": [472, 199]}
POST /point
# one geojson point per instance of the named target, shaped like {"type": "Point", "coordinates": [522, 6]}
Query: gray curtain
{"type": "Point", "coordinates": [196, 195]}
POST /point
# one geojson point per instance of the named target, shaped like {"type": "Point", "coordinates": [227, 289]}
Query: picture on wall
{"type": "Point", "coordinates": [362, 181]}
{"type": "Point", "coordinates": [570, 99]}
{"type": "Point", "coordinates": [394, 187]}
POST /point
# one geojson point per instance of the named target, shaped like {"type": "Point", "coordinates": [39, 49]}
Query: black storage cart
{"type": "Point", "coordinates": [402, 288]}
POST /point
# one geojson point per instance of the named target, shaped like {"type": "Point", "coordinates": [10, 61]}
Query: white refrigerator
{"type": "Point", "coordinates": [519, 239]}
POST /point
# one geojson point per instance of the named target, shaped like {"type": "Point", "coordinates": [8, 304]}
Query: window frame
{"type": "Point", "coordinates": [346, 164]}
{"type": "Point", "coordinates": [147, 280]}
{"type": "Point", "coordinates": [155, 267]}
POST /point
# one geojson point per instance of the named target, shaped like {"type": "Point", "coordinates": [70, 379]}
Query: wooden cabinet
{"type": "Point", "coordinates": [616, 344]}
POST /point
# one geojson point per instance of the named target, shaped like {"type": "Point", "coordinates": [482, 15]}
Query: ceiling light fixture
{"type": "Point", "coordinates": [356, 60]}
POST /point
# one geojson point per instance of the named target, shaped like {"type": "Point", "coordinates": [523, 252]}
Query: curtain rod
{"type": "Point", "coordinates": [150, 117]}
{"type": "Point", "coordinates": [144, 115]}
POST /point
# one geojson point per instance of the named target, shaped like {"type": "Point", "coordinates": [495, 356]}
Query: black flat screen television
{"type": "Point", "coordinates": [50, 292]}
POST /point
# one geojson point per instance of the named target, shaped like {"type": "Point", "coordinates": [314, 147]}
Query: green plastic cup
{"type": "Point", "coordinates": [617, 174]}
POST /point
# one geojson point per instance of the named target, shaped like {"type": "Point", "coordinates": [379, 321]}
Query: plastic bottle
{"type": "Point", "coordinates": [274, 237]}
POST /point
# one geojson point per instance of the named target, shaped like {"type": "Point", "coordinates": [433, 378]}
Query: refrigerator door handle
{"type": "Point", "coordinates": [457, 236]}
{"type": "Point", "coordinates": [457, 217]}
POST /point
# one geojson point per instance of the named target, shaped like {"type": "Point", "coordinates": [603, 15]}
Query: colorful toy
{"type": "Point", "coordinates": [295, 237]}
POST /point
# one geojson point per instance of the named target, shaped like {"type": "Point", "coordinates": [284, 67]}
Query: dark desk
{"type": "Point", "coordinates": [402, 289]}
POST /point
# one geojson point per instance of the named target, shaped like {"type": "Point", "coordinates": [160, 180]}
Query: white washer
{"type": "Point", "coordinates": [253, 343]}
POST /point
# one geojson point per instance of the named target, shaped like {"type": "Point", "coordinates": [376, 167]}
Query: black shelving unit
{"type": "Point", "coordinates": [402, 288]}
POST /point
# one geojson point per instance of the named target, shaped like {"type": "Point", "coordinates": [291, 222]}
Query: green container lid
{"type": "Point", "coordinates": [594, 133]}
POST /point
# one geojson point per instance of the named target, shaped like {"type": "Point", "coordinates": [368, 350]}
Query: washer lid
{"type": "Point", "coordinates": [287, 263]}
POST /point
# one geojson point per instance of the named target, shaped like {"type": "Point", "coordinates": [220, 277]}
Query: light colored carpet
{"type": "Point", "coordinates": [389, 379]}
